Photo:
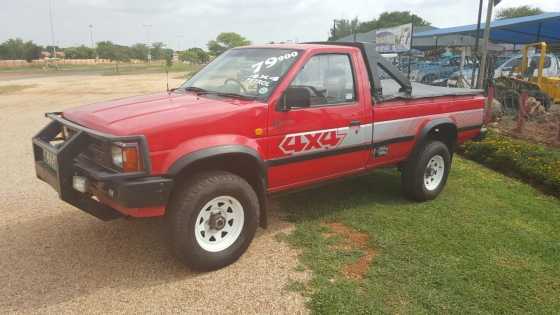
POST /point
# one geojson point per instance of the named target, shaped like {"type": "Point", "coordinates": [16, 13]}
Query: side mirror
{"type": "Point", "coordinates": [294, 96]}
{"type": "Point", "coordinates": [283, 104]}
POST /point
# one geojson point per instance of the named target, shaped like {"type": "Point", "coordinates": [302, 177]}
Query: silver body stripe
{"type": "Point", "coordinates": [397, 128]}
{"type": "Point", "coordinates": [362, 135]}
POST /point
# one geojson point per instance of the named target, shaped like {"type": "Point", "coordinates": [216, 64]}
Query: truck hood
{"type": "Point", "coordinates": [136, 115]}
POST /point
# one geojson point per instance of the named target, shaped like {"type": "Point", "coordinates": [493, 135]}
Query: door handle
{"type": "Point", "coordinates": [355, 123]}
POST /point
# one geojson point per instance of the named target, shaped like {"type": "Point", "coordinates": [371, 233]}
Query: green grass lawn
{"type": "Point", "coordinates": [488, 244]}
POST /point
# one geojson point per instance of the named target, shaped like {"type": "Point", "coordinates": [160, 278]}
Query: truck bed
{"type": "Point", "coordinates": [391, 90]}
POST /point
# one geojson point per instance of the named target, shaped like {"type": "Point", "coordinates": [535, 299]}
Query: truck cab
{"type": "Point", "coordinates": [256, 121]}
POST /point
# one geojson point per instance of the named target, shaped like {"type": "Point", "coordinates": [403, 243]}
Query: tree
{"type": "Point", "coordinates": [139, 51]}
{"type": "Point", "coordinates": [344, 27]}
{"type": "Point", "coordinates": [167, 54]}
{"type": "Point", "coordinates": [226, 41]}
{"type": "Point", "coordinates": [386, 19]}
{"type": "Point", "coordinates": [157, 51]}
{"type": "Point", "coordinates": [194, 55]}
{"type": "Point", "coordinates": [108, 50]}
{"type": "Point", "coordinates": [18, 49]}
{"type": "Point", "coordinates": [394, 18]}
{"type": "Point", "coordinates": [524, 10]}
{"type": "Point", "coordinates": [80, 52]}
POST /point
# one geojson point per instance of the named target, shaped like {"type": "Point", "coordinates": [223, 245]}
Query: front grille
{"type": "Point", "coordinates": [99, 152]}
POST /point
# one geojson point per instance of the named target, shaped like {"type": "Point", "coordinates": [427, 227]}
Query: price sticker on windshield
{"type": "Point", "coordinates": [270, 62]}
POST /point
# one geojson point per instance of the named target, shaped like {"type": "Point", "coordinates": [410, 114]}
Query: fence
{"type": "Point", "coordinates": [24, 63]}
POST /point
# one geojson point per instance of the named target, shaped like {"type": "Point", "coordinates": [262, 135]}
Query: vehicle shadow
{"type": "Point", "coordinates": [380, 187]}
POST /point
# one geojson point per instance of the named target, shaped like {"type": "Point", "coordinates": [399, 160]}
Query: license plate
{"type": "Point", "coordinates": [50, 159]}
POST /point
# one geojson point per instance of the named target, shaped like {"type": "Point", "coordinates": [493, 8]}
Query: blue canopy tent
{"type": "Point", "coordinates": [522, 30]}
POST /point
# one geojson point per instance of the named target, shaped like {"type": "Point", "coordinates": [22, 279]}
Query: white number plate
{"type": "Point", "coordinates": [50, 159]}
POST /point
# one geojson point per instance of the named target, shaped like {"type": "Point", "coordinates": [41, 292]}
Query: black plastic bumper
{"type": "Point", "coordinates": [58, 163]}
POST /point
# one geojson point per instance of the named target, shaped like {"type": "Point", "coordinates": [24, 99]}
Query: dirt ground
{"type": "Point", "coordinates": [543, 128]}
{"type": "Point", "coordinates": [56, 259]}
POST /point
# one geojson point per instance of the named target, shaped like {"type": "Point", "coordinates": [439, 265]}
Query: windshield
{"type": "Point", "coordinates": [248, 72]}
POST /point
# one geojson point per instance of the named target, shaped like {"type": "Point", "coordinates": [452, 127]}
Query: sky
{"type": "Point", "coordinates": [181, 24]}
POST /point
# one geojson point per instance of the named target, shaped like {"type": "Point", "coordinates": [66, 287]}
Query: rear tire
{"type": "Point", "coordinates": [425, 173]}
{"type": "Point", "coordinates": [212, 219]}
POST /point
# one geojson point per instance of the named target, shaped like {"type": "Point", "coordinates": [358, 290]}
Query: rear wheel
{"type": "Point", "coordinates": [212, 218]}
{"type": "Point", "coordinates": [425, 173]}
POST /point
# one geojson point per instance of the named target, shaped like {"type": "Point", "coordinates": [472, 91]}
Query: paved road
{"type": "Point", "coordinates": [56, 259]}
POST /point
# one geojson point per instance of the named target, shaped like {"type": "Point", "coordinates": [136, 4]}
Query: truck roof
{"type": "Point", "coordinates": [300, 46]}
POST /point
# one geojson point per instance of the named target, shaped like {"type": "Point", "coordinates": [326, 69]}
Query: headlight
{"type": "Point", "coordinates": [126, 156]}
{"type": "Point", "coordinates": [116, 154]}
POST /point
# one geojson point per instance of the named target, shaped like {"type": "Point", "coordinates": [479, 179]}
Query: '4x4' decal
{"type": "Point", "coordinates": [312, 141]}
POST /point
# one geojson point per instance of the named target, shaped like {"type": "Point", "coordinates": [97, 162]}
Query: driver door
{"type": "Point", "coordinates": [325, 132]}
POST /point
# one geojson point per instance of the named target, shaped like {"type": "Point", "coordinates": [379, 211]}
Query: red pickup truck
{"type": "Point", "coordinates": [257, 120]}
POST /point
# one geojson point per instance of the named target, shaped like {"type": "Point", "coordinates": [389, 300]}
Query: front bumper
{"type": "Point", "coordinates": [107, 194]}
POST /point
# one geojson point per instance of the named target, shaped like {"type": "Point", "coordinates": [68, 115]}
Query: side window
{"type": "Point", "coordinates": [327, 80]}
{"type": "Point", "coordinates": [547, 62]}
{"type": "Point", "coordinates": [512, 63]}
{"type": "Point", "coordinates": [535, 60]}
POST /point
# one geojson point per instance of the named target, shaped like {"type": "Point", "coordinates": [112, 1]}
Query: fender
{"type": "Point", "coordinates": [215, 151]}
{"type": "Point", "coordinates": [423, 133]}
{"type": "Point", "coordinates": [223, 150]}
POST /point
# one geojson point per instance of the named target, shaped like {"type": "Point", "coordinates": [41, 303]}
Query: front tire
{"type": "Point", "coordinates": [212, 219]}
{"type": "Point", "coordinates": [425, 173]}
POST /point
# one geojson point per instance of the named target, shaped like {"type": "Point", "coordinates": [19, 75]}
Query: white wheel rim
{"type": "Point", "coordinates": [219, 223]}
{"type": "Point", "coordinates": [433, 174]}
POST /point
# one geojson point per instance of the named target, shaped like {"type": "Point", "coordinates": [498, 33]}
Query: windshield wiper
{"type": "Point", "coordinates": [201, 91]}
{"type": "Point", "coordinates": [195, 89]}
{"type": "Point", "coordinates": [227, 94]}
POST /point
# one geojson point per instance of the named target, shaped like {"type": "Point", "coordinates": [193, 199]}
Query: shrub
{"type": "Point", "coordinates": [536, 164]}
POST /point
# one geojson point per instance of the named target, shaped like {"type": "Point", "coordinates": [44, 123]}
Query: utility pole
{"type": "Point", "coordinates": [179, 41]}
{"type": "Point", "coordinates": [91, 36]}
{"type": "Point", "coordinates": [148, 27]}
{"type": "Point", "coordinates": [93, 42]}
{"type": "Point", "coordinates": [53, 41]}
{"type": "Point", "coordinates": [476, 41]}
{"type": "Point", "coordinates": [482, 71]}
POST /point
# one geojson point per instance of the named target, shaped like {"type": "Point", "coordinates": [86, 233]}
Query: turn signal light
{"type": "Point", "coordinates": [126, 156]}
{"type": "Point", "coordinates": [131, 159]}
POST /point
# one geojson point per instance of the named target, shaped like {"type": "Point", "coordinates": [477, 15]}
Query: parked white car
{"type": "Point", "coordinates": [551, 68]}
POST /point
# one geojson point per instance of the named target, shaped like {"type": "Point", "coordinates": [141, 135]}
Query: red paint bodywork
{"type": "Point", "coordinates": [176, 125]}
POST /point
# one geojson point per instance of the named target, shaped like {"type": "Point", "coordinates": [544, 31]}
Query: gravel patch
{"type": "Point", "coordinates": [57, 259]}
